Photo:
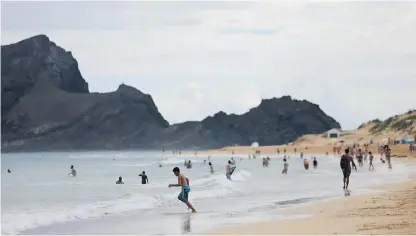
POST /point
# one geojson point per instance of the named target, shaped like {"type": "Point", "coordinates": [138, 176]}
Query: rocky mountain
{"type": "Point", "coordinates": [46, 105]}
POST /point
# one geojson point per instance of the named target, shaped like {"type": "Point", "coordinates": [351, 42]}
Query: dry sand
{"type": "Point", "coordinates": [391, 212]}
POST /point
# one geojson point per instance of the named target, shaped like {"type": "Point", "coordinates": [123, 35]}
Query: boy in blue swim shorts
{"type": "Point", "coordinates": [184, 183]}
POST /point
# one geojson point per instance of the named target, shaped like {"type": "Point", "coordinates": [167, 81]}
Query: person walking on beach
{"type": "Point", "coordinates": [345, 163]}
{"type": "Point", "coordinates": [145, 180]}
{"type": "Point", "coordinates": [285, 167]}
{"type": "Point", "coordinates": [387, 153]}
{"type": "Point", "coordinates": [120, 180]}
{"type": "Point", "coordinates": [371, 157]}
{"type": "Point", "coordinates": [183, 182]}
{"type": "Point", "coordinates": [73, 171]}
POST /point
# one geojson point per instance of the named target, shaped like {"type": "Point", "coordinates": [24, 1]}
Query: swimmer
{"type": "Point", "coordinates": [120, 180]}
{"type": "Point", "coordinates": [345, 164]}
{"type": "Point", "coordinates": [183, 182]}
{"type": "Point", "coordinates": [145, 180]}
{"type": "Point", "coordinates": [285, 167]}
{"type": "Point", "coordinates": [9, 171]}
{"type": "Point", "coordinates": [73, 171]}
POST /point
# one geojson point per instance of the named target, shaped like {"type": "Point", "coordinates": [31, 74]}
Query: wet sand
{"type": "Point", "coordinates": [390, 212]}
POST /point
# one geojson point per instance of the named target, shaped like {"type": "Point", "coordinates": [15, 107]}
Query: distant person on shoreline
{"type": "Point", "coordinates": [232, 161]}
{"type": "Point", "coordinates": [120, 180]}
{"type": "Point", "coordinates": [315, 163]}
{"type": "Point", "coordinates": [301, 155]}
{"type": "Point", "coordinates": [285, 167]}
{"type": "Point", "coordinates": [145, 180]}
{"type": "Point", "coordinates": [371, 157]}
{"type": "Point", "coordinates": [183, 182]}
{"type": "Point", "coordinates": [345, 164]}
{"type": "Point", "coordinates": [73, 171]}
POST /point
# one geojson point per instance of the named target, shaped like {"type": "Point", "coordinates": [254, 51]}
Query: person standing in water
{"type": "Point", "coordinates": [285, 167]}
{"type": "Point", "coordinates": [359, 157]}
{"type": "Point", "coordinates": [189, 165]}
{"type": "Point", "coordinates": [120, 180]}
{"type": "Point", "coordinates": [211, 168]}
{"type": "Point", "coordinates": [345, 163]}
{"type": "Point", "coordinates": [145, 180]}
{"type": "Point", "coordinates": [315, 163]}
{"type": "Point", "coordinates": [371, 157]}
{"type": "Point", "coordinates": [228, 170]}
{"type": "Point", "coordinates": [73, 171]}
{"type": "Point", "coordinates": [183, 182]}
{"type": "Point", "coordinates": [306, 164]}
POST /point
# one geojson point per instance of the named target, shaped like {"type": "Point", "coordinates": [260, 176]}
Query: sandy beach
{"type": "Point", "coordinates": [391, 212]}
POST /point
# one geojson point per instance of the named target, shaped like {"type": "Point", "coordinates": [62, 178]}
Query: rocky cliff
{"type": "Point", "coordinates": [46, 105]}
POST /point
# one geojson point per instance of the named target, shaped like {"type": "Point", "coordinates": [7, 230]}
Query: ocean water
{"type": "Point", "coordinates": [39, 197]}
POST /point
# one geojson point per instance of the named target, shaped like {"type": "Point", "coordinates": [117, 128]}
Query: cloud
{"type": "Point", "coordinates": [258, 31]}
{"type": "Point", "coordinates": [356, 60]}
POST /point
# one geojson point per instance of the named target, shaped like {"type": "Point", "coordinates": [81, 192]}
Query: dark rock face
{"type": "Point", "coordinates": [46, 105]}
{"type": "Point", "coordinates": [25, 62]}
{"type": "Point", "coordinates": [274, 121]}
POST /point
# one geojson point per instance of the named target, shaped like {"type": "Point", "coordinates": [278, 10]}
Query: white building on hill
{"type": "Point", "coordinates": [334, 133]}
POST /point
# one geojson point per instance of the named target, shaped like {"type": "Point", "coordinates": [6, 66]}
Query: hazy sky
{"type": "Point", "coordinates": [356, 60]}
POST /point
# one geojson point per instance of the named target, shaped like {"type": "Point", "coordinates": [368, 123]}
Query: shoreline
{"type": "Point", "coordinates": [398, 151]}
{"type": "Point", "coordinates": [392, 211]}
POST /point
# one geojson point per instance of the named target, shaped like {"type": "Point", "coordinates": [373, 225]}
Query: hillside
{"type": "Point", "coordinates": [46, 105]}
{"type": "Point", "coordinates": [376, 130]}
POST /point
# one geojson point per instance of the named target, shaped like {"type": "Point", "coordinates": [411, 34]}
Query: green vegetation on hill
{"type": "Point", "coordinates": [405, 122]}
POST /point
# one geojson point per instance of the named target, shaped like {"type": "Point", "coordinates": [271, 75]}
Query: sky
{"type": "Point", "coordinates": [356, 60]}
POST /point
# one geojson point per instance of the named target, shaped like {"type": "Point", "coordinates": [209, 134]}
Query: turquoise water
{"type": "Point", "coordinates": [39, 197]}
